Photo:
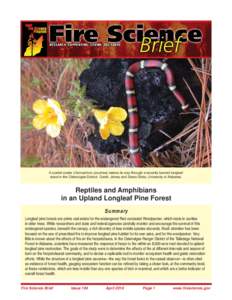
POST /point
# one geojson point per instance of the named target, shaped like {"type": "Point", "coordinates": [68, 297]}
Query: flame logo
{"type": "Point", "coordinates": [34, 46]}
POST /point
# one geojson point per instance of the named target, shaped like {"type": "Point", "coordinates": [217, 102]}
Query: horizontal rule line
{"type": "Point", "coordinates": [116, 283]}
{"type": "Point", "coordinates": [119, 56]}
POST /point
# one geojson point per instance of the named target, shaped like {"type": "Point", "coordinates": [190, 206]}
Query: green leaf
{"type": "Point", "coordinates": [35, 82]}
{"type": "Point", "coordinates": [26, 113]}
{"type": "Point", "coordinates": [30, 161]}
{"type": "Point", "coordinates": [77, 102]}
{"type": "Point", "coordinates": [27, 127]}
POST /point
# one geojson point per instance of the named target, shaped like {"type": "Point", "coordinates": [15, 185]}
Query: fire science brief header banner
{"type": "Point", "coordinates": [116, 39]}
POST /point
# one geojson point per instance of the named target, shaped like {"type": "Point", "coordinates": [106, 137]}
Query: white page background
{"type": "Point", "coordinates": [13, 194]}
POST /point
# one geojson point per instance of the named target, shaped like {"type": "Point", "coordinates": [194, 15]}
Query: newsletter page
{"type": "Point", "coordinates": [115, 158]}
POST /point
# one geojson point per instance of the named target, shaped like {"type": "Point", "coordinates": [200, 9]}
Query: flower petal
{"type": "Point", "coordinates": [61, 118]}
{"type": "Point", "coordinates": [55, 106]}
{"type": "Point", "coordinates": [39, 122]}
{"type": "Point", "coordinates": [53, 130]}
{"type": "Point", "coordinates": [100, 115]}
{"type": "Point", "coordinates": [116, 128]}
{"type": "Point", "coordinates": [104, 132]}
{"type": "Point", "coordinates": [117, 114]}
{"type": "Point", "coordinates": [40, 106]}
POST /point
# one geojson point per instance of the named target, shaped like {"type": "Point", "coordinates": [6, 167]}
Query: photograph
{"type": "Point", "coordinates": [114, 112]}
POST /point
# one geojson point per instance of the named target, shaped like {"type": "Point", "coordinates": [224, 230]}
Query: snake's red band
{"type": "Point", "coordinates": [132, 102]}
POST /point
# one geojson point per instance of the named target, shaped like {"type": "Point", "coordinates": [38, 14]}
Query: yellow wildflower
{"type": "Point", "coordinates": [110, 121]}
{"type": "Point", "coordinates": [49, 115]}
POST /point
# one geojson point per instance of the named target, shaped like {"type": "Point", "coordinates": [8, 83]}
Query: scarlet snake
{"type": "Point", "coordinates": [134, 147]}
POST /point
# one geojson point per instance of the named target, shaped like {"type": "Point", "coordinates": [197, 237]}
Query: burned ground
{"type": "Point", "coordinates": [159, 112]}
